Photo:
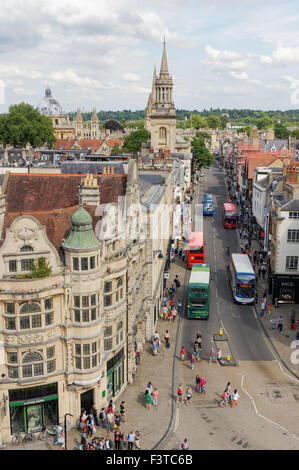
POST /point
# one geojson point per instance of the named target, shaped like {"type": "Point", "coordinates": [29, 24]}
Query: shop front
{"type": "Point", "coordinates": [284, 288]}
{"type": "Point", "coordinates": [115, 374]}
{"type": "Point", "coordinates": [32, 409]}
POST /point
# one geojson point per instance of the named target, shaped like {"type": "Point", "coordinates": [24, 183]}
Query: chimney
{"type": "Point", "coordinates": [291, 174]}
{"type": "Point", "coordinates": [90, 191]}
{"type": "Point", "coordinates": [270, 134]}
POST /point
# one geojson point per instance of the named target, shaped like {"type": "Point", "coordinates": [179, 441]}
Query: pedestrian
{"type": "Point", "coordinates": [110, 420]}
{"type": "Point", "coordinates": [155, 397]}
{"type": "Point", "coordinates": [279, 323]}
{"type": "Point", "coordinates": [177, 281]}
{"type": "Point", "coordinates": [228, 390]}
{"type": "Point", "coordinates": [131, 438]}
{"type": "Point", "coordinates": [235, 397]}
{"type": "Point", "coordinates": [166, 338]}
{"type": "Point", "coordinates": [196, 351]}
{"type": "Point", "coordinates": [94, 412]}
{"type": "Point", "coordinates": [123, 412]}
{"type": "Point", "coordinates": [180, 393]}
{"type": "Point", "coordinates": [219, 356]}
{"type": "Point", "coordinates": [59, 430]}
{"type": "Point", "coordinates": [117, 418]}
{"type": "Point", "coordinates": [148, 399]}
{"type": "Point", "coordinates": [199, 338]}
{"type": "Point", "coordinates": [224, 398]}
{"type": "Point", "coordinates": [117, 439]}
{"type": "Point", "coordinates": [185, 445]}
{"type": "Point", "coordinates": [212, 355]}
{"type": "Point", "coordinates": [108, 443]}
{"type": "Point", "coordinates": [192, 361]}
{"type": "Point", "coordinates": [89, 424]}
{"type": "Point", "coordinates": [100, 444]}
{"type": "Point", "coordinates": [293, 320]}
{"type": "Point", "coordinates": [155, 347]}
{"type": "Point", "coordinates": [169, 316]}
{"type": "Point", "coordinates": [202, 385]}
{"type": "Point", "coordinates": [273, 321]}
{"type": "Point", "coordinates": [171, 303]}
{"type": "Point", "coordinates": [102, 417]}
{"type": "Point", "coordinates": [164, 310]}
{"type": "Point", "coordinates": [150, 388]}
{"type": "Point", "coordinates": [174, 314]}
{"type": "Point", "coordinates": [137, 439]}
{"type": "Point", "coordinates": [197, 383]}
{"type": "Point", "coordinates": [256, 297]}
{"type": "Point", "coordinates": [83, 439]}
{"type": "Point", "coordinates": [263, 306]}
{"type": "Point", "coordinates": [183, 352]}
{"type": "Point", "coordinates": [164, 301]}
{"type": "Point", "coordinates": [179, 306]}
{"type": "Point", "coordinates": [270, 307]}
{"type": "Point", "coordinates": [188, 396]}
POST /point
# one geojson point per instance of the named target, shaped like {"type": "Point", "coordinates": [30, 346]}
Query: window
{"type": "Point", "coordinates": [49, 303]}
{"type": "Point", "coordinates": [119, 293]}
{"type": "Point", "coordinates": [292, 262]}
{"type": "Point", "coordinates": [13, 372]}
{"type": "Point", "coordinates": [50, 352]}
{"type": "Point", "coordinates": [107, 300]}
{"type": "Point", "coordinates": [12, 357]}
{"type": "Point", "coordinates": [162, 133]}
{"type": "Point", "coordinates": [108, 331]}
{"type": "Point", "coordinates": [49, 318]}
{"type": "Point", "coordinates": [84, 303]}
{"type": "Point", "coordinates": [107, 344]}
{"type": "Point", "coordinates": [108, 286]}
{"type": "Point", "coordinates": [31, 320]}
{"type": "Point", "coordinates": [84, 264]}
{"type": "Point", "coordinates": [26, 264]}
{"type": "Point", "coordinates": [36, 367]}
{"type": "Point", "coordinates": [86, 356]}
{"type": "Point", "coordinates": [12, 266]}
{"type": "Point", "coordinates": [51, 366]}
{"type": "Point", "coordinates": [25, 248]}
{"type": "Point", "coordinates": [92, 262]}
{"type": "Point", "coordinates": [76, 264]}
{"type": "Point", "coordinates": [294, 215]}
{"type": "Point", "coordinates": [293, 236]}
{"type": "Point", "coordinates": [10, 308]}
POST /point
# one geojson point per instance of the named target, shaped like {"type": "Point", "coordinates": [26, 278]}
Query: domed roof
{"type": "Point", "coordinates": [49, 106]}
{"type": "Point", "coordinates": [81, 217]}
{"type": "Point", "coordinates": [81, 236]}
{"type": "Point", "coordinates": [113, 125]}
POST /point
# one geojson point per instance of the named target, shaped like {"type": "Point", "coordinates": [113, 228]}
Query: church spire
{"type": "Point", "coordinates": [94, 117]}
{"type": "Point", "coordinates": [153, 93]}
{"type": "Point", "coordinates": [164, 65]}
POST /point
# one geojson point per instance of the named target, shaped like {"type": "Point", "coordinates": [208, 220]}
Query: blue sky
{"type": "Point", "coordinates": [221, 53]}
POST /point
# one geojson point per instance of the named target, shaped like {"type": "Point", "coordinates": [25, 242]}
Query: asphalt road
{"type": "Point", "coordinates": [268, 410]}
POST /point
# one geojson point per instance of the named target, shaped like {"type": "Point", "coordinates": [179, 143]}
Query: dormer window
{"type": "Point", "coordinates": [26, 248]}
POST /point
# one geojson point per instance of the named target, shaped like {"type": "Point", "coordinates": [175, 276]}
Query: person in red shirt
{"type": "Point", "coordinates": [180, 393]}
{"type": "Point", "coordinates": [183, 352]}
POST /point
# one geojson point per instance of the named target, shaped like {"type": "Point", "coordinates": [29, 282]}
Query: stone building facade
{"type": "Point", "coordinates": [69, 339]}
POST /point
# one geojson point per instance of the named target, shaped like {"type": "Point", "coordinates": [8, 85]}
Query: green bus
{"type": "Point", "coordinates": [198, 292]}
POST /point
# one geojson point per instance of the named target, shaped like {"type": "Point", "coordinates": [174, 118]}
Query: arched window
{"type": "Point", "coordinates": [162, 133]}
{"type": "Point", "coordinates": [25, 248]}
{"type": "Point", "coordinates": [29, 308]}
{"type": "Point", "coordinates": [34, 364]}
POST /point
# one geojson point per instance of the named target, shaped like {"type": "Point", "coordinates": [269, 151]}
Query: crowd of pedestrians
{"type": "Point", "coordinates": [108, 420]}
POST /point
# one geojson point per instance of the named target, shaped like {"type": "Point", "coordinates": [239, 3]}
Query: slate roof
{"type": "Point", "coordinates": [290, 205]}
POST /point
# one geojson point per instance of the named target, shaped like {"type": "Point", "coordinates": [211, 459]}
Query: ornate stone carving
{"type": "Point", "coordinates": [29, 339]}
{"type": "Point", "coordinates": [69, 357]}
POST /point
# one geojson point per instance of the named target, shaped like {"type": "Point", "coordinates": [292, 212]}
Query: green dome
{"type": "Point", "coordinates": [81, 217]}
{"type": "Point", "coordinates": [81, 236]}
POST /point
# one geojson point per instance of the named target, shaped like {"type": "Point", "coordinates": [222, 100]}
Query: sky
{"type": "Point", "coordinates": [101, 54]}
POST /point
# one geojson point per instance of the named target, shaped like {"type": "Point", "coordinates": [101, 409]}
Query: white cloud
{"type": "Point", "coordinates": [238, 75]}
{"type": "Point", "coordinates": [131, 77]}
{"type": "Point", "coordinates": [71, 76]}
{"type": "Point", "coordinates": [286, 54]}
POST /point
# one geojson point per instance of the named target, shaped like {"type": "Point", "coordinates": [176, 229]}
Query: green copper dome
{"type": "Point", "coordinates": [81, 236]}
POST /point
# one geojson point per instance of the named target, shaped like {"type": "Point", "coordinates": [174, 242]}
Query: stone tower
{"type": "Point", "coordinates": [160, 114]}
{"type": "Point", "coordinates": [94, 125]}
{"type": "Point", "coordinates": [78, 124]}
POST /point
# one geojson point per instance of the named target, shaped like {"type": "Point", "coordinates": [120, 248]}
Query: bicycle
{"type": "Point", "coordinates": [47, 432]}
{"type": "Point", "coordinates": [29, 437]}
{"type": "Point", "coordinates": [17, 439]}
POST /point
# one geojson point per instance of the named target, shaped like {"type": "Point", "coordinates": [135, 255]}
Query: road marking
{"type": "Point", "coordinates": [289, 376]}
{"type": "Point", "coordinates": [264, 417]}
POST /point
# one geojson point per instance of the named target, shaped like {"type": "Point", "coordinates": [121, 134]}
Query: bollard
{"type": "Point", "coordinates": [221, 331]}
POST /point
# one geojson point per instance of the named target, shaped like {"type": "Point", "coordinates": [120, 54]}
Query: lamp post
{"type": "Point", "coordinates": [65, 430]}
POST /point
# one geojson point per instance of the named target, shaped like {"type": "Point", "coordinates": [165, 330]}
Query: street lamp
{"type": "Point", "coordinates": [65, 430]}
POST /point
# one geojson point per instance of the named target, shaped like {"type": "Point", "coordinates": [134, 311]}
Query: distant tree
{"type": "Point", "coordinates": [264, 123]}
{"type": "Point", "coordinates": [202, 158]}
{"type": "Point", "coordinates": [295, 133]}
{"type": "Point", "coordinates": [133, 141]}
{"type": "Point", "coordinates": [134, 124]}
{"type": "Point", "coordinates": [116, 150]}
{"type": "Point", "coordinates": [23, 124]}
{"type": "Point", "coordinates": [214, 122]}
{"type": "Point", "coordinates": [281, 131]}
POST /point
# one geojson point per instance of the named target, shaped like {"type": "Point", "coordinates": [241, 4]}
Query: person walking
{"type": "Point", "coordinates": [155, 347]}
{"type": "Point", "coordinates": [270, 307]}
{"type": "Point", "coordinates": [117, 439]}
{"type": "Point", "coordinates": [263, 306]}
{"type": "Point", "coordinates": [212, 355]}
{"type": "Point", "coordinates": [203, 385]}
{"type": "Point", "coordinates": [188, 396]}
{"type": "Point", "coordinates": [228, 390]}
{"type": "Point", "coordinates": [174, 314]}
{"type": "Point", "coordinates": [148, 399]}
{"type": "Point", "coordinates": [166, 338]}
{"type": "Point", "coordinates": [273, 321]}
{"type": "Point", "coordinates": [196, 351]}
{"type": "Point", "coordinates": [235, 398]}
{"type": "Point", "coordinates": [94, 413]}
{"type": "Point", "coordinates": [183, 352]}
{"type": "Point", "coordinates": [150, 388]}
{"type": "Point", "coordinates": [219, 356]}
{"type": "Point", "coordinates": [110, 420]}
{"type": "Point", "coordinates": [179, 306]}
{"type": "Point", "coordinates": [137, 439]}
{"type": "Point", "coordinates": [224, 398]}
{"type": "Point", "coordinates": [185, 445]}
{"type": "Point", "coordinates": [192, 361]}
{"type": "Point", "coordinates": [199, 338]}
{"type": "Point", "coordinates": [197, 383]}
{"type": "Point", "coordinates": [155, 397]}
{"type": "Point", "coordinates": [279, 323]}
{"type": "Point", "coordinates": [123, 411]}
{"type": "Point", "coordinates": [102, 417]}
{"type": "Point", "coordinates": [180, 394]}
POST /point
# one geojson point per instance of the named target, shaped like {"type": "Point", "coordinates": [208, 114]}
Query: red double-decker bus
{"type": "Point", "coordinates": [196, 249]}
{"type": "Point", "coordinates": [230, 216]}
